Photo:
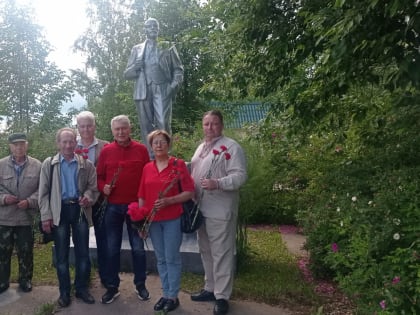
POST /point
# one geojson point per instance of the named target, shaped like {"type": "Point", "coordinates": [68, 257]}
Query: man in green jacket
{"type": "Point", "coordinates": [19, 179]}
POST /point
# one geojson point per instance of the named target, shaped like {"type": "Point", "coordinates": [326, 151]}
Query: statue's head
{"type": "Point", "coordinates": [151, 27]}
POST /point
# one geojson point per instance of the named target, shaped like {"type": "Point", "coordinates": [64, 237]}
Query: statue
{"type": "Point", "coordinates": [158, 73]}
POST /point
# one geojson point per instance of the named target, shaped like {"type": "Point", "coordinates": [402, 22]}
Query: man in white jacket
{"type": "Point", "coordinates": [219, 170]}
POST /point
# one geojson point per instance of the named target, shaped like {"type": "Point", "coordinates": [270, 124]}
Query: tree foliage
{"type": "Point", "coordinates": [32, 89]}
{"type": "Point", "coordinates": [341, 78]}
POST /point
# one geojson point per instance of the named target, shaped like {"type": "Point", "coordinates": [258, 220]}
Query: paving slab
{"type": "Point", "coordinates": [15, 302]}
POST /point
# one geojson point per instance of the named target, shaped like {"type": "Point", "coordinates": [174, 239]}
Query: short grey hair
{"type": "Point", "coordinates": [86, 115]}
{"type": "Point", "coordinates": [121, 118]}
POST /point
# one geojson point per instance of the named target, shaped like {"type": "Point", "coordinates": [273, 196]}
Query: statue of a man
{"type": "Point", "coordinates": [158, 73]}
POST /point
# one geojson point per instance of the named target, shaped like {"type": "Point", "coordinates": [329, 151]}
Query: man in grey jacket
{"type": "Point", "coordinates": [158, 73]}
{"type": "Point", "coordinates": [19, 179]}
{"type": "Point", "coordinates": [67, 191]}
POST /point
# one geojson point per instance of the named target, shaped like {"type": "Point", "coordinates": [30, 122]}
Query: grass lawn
{"type": "Point", "coordinates": [44, 271]}
{"type": "Point", "coordinates": [268, 273]}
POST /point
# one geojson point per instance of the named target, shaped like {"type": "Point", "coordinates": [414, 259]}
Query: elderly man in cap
{"type": "Point", "coordinates": [19, 179]}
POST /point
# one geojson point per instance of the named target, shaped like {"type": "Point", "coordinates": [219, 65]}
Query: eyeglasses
{"type": "Point", "coordinates": [160, 142]}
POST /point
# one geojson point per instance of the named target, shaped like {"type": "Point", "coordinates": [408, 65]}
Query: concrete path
{"type": "Point", "coordinates": [15, 302]}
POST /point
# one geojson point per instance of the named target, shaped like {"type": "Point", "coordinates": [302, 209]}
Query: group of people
{"type": "Point", "coordinates": [71, 188]}
{"type": "Point", "coordinates": [93, 182]}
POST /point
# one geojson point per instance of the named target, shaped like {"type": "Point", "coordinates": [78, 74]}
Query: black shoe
{"type": "Point", "coordinates": [110, 295]}
{"type": "Point", "coordinates": [26, 286]}
{"type": "Point", "coordinates": [221, 307]}
{"type": "Point", "coordinates": [4, 288]}
{"type": "Point", "coordinates": [203, 296]}
{"type": "Point", "coordinates": [86, 297]}
{"type": "Point", "coordinates": [64, 300]}
{"type": "Point", "coordinates": [142, 292]}
{"type": "Point", "coordinates": [160, 304]}
{"type": "Point", "coordinates": [170, 305]}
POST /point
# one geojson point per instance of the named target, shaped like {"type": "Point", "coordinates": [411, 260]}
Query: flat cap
{"type": "Point", "coordinates": [17, 137]}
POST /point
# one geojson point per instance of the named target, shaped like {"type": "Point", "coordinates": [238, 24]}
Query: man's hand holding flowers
{"type": "Point", "coordinates": [84, 201]}
{"type": "Point", "coordinates": [209, 183]}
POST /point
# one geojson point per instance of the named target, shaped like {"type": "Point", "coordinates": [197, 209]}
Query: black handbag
{"type": "Point", "coordinates": [191, 218]}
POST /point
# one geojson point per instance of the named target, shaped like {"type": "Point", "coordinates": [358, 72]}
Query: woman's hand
{"type": "Point", "coordinates": [162, 203]}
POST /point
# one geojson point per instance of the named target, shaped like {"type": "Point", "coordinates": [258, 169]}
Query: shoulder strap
{"type": "Point", "coordinates": [179, 181]}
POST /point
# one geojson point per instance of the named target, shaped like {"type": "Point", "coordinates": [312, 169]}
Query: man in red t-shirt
{"type": "Point", "coordinates": [120, 166]}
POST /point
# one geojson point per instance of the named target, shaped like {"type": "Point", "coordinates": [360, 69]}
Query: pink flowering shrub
{"type": "Point", "coordinates": [363, 231]}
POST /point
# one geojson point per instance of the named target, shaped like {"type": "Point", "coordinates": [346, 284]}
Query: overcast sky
{"type": "Point", "coordinates": [63, 22]}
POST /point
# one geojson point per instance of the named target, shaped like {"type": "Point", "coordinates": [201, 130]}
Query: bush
{"type": "Point", "coordinates": [363, 225]}
{"type": "Point", "coordinates": [268, 196]}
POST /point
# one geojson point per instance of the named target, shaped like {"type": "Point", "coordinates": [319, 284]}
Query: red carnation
{"type": "Point", "coordinates": [136, 213]}
{"type": "Point", "coordinates": [227, 155]}
{"type": "Point", "coordinates": [223, 148]}
{"type": "Point", "coordinates": [85, 150]}
{"type": "Point", "coordinates": [216, 152]}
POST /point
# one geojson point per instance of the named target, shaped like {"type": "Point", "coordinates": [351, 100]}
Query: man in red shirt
{"type": "Point", "coordinates": [120, 166]}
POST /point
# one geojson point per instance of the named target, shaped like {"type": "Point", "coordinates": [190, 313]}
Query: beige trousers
{"type": "Point", "coordinates": [217, 243]}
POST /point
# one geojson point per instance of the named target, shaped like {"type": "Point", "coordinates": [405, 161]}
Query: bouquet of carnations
{"type": "Point", "coordinates": [217, 155]}
{"type": "Point", "coordinates": [141, 218]}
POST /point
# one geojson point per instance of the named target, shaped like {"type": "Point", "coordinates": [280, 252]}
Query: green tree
{"type": "Point", "coordinates": [32, 87]}
{"type": "Point", "coordinates": [107, 44]}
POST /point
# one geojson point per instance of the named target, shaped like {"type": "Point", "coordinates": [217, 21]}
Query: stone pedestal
{"type": "Point", "coordinates": [191, 259]}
